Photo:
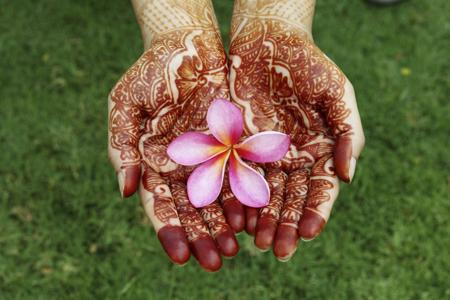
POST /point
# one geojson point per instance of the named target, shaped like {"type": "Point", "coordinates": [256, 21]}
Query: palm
{"type": "Point", "coordinates": [284, 82]}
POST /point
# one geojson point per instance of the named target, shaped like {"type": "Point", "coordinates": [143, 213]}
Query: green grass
{"type": "Point", "coordinates": [66, 234]}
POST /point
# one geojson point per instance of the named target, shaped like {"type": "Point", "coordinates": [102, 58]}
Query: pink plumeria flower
{"type": "Point", "coordinates": [213, 152]}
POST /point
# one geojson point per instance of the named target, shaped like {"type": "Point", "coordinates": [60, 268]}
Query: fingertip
{"type": "Point", "coordinates": [286, 242]}
{"type": "Point", "coordinates": [265, 232]}
{"type": "Point", "coordinates": [311, 225]}
{"type": "Point", "coordinates": [205, 251]}
{"type": "Point", "coordinates": [128, 179]}
{"type": "Point", "coordinates": [235, 214]}
{"type": "Point", "coordinates": [173, 239]}
{"type": "Point", "coordinates": [227, 243]}
{"type": "Point", "coordinates": [343, 157]}
{"type": "Point", "coordinates": [251, 216]}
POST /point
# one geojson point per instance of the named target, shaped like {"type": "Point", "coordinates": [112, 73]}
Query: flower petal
{"type": "Point", "coordinates": [225, 121]}
{"type": "Point", "coordinates": [206, 181]}
{"type": "Point", "coordinates": [247, 185]}
{"type": "Point", "coordinates": [192, 148]}
{"type": "Point", "coordinates": [264, 147]}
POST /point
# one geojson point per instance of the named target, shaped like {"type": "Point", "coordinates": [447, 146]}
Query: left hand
{"type": "Point", "coordinates": [284, 82]}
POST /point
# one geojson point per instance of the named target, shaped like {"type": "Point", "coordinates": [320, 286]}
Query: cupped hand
{"type": "Point", "coordinates": [282, 81]}
{"type": "Point", "coordinates": [164, 94]}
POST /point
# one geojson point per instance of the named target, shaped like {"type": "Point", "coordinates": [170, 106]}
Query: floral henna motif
{"type": "Point", "coordinates": [290, 82]}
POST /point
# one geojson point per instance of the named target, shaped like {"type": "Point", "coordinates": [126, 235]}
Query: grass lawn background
{"type": "Point", "coordinates": [66, 234]}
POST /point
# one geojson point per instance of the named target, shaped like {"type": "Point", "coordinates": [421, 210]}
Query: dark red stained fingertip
{"type": "Point", "coordinates": [235, 214]}
{"type": "Point", "coordinates": [227, 243]}
{"type": "Point", "coordinates": [173, 239]}
{"type": "Point", "coordinates": [251, 216]}
{"type": "Point", "coordinates": [286, 242]}
{"type": "Point", "coordinates": [131, 181]}
{"type": "Point", "coordinates": [311, 224]}
{"type": "Point", "coordinates": [205, 251]}
{"type": "Point", "coordinates": [266, 229]}
{"type": "Point", "coordinates": [342, 156]}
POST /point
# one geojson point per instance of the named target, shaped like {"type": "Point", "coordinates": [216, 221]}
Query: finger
{"type": "Point", "coordinates": [124, 133]}
{"type": "Point", "coordinates": [223, 234]}
{"type": "Point", "coordinates": [160, 208]}
{"type": "Point", "coordinates": [266, 226]}
{"type": "Point", "coordinates": [323, 191]}
{"type": "Point", "coordinates": [232, 208]}
{"type": "Point", "coordinates": [287, 236]}
{"type": "Point", "coordinates": [202, 244]}
{"type": "Point", "coordinates": [251, 218]}
{"type": "Point", "coordinates": [343, 117]}
{"type": "Point", "coordinates": [251, 213]}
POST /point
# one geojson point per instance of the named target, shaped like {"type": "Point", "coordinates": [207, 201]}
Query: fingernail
{"type": "Point", "coordinates": [311, 224]}
{"type": "Point", "coordinates": [174, 242]}
{"type": "Point", "coordinates": [286, 242]}
{"type": "Point", "coordinates": [128, 179]}
{"type": "Point", "coordinates": [265, 233]}
{"type": "Point", "coordinates": [205, 251]}
{"type": "Point", "coordinates": [227, 243]}
{"type": "Point", "coordinates": [342, 157]}
{"type": "Point", "coordinates": [352, 168]}
{"type": "Point", "coordinates": [235, 214]}
{"type": "Point", "coordinates": [251, 215]}
{"type": "Point", "coordinates": [121, 179]}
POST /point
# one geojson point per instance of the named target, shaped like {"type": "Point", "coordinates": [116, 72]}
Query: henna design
{"type": "Point", "coordinates": [164, 94]}
{"type": "Point", "coordinates": [213, 216]}
{"type": "Point", "coordinates": [282, 81]}
{"type": "Point", "coordinates": [171, 85]}
{"type": "Point", "coordinates": [319, 186]}
{"type": "Point", "coordinates": [226, 194]}
{"type": "Point", "coordinates": [159, 17]}
{"type": "Point", "coordinates": [276, 179]}
{"type": "Point", "coordinates": [296, 191]}
{"type": "Point", "coordinates": [191, 220]}
{"type": "Point", "coordinates": [297, 13]}
{"type": "Point", "coordinates": [164, 207]}
{"type": "Point", "coordinates": [289, 81]}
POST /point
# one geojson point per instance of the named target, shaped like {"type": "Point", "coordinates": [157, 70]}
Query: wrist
{"type": "Point", "coordinates": [156, 17]}
{"type": "Point", "coordinates": [299, 13]}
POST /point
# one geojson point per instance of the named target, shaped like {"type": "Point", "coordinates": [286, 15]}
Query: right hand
{"type": "Point", "coordinates": [164, 94]}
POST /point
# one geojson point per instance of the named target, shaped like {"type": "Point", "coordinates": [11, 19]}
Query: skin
{"type": "Point", "coordinates": [282, 81]}
{"type": "Point", "coordinates": [164, 94]}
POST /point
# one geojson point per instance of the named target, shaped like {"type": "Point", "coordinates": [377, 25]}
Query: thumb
{"type": "Point", "coordinates": [343, 117]}
{"type": "Point", "coordinates": [123, 136]}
